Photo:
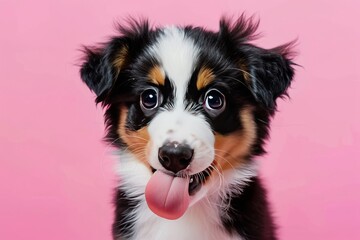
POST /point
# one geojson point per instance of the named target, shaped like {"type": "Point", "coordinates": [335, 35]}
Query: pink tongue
{"type": "Point", "coordinates": [167, 196]}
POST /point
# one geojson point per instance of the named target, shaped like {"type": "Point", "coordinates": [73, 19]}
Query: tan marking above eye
{"type": "Point", "coordinates": [138, 142]}
{"type": "Point", "coordinates": [157, 75]}
{"type": "Point", "coordinates": [231, 149]}
{"type": "Point", "coordinates": [205, 77]}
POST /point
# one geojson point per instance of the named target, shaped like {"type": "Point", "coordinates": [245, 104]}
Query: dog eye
{"type": "Point", "coordinates": [150, 99]}
{"type": "Point", "coordinates": [214, 102]}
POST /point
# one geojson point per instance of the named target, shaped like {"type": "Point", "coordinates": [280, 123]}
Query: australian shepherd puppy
{"type": "Point", "coordinates": [189, 110]}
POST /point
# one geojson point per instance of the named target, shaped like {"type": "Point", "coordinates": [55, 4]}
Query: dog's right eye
{"type": "Point", "coordinates": [150, 99]}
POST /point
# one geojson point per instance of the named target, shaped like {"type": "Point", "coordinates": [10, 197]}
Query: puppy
{"type": "Point", "coordinates": [189, 110]}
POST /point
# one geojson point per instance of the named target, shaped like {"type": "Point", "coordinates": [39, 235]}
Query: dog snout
{"type": "Point", "coordinates": [175, 156]}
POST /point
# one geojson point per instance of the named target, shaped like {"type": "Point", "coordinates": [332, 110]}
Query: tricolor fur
{"type": "Point", "coordinates": [212, 93]}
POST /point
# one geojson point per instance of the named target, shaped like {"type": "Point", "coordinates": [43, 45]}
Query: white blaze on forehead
{"type": "Point", "coordinates": [177, 55]}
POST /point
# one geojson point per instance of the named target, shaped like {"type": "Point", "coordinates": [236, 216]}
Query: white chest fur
{"type": "Point", "coordinates": [201, 222]}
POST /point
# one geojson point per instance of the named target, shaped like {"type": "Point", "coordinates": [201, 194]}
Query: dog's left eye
{"type": "Point", "coordinates": [150, 99]}
{"type": "Point", "coordinates": [214, 102]}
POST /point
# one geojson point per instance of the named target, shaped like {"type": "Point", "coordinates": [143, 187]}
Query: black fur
{"type": "Point", "coordinates": [249, 214]}
{"type": "Point", "coordinates": [123, 223]}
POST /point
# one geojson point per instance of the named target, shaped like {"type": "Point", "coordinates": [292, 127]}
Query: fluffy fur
{"type": "Point", "coordinates": [213, 93]}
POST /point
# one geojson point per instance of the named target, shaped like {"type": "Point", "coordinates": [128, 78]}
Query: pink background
{"type": "Point", "coordinates": [56, 176]}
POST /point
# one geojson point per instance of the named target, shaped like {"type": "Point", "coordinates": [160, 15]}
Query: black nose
{"type": "Point", "coordinates": [175, 156]}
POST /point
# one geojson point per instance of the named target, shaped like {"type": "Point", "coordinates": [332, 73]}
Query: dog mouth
{"type": "Point", "coordinates": [169, 195]}
{"type": "Point", "coordinates": [195, 181]}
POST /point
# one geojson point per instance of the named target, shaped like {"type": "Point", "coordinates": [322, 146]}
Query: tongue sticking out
{"type": "Point", "coordinates": [167, 196]}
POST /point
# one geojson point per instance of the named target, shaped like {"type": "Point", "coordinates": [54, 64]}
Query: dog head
{"type": "Point", "coordinates": [186, 102]}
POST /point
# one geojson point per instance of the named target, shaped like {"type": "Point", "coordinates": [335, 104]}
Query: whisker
{"type": "Point", "coordinates": [138, 137]}
{"type": "Point", "coordinates": [227, 161]}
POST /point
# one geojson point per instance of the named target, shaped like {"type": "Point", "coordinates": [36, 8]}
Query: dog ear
{"type": "Point", "coordinates": [102, 66]}
{"type": "Point", "coordinates": [267, 72]}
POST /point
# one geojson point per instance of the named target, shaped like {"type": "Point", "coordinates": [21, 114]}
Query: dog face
{"type": "Point", "coordinates": [185, 101]}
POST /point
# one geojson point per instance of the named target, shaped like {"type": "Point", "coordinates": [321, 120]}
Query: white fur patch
{"type": "Point", "coordinates": [177, 55]}
{"type": "Point", "coordinates": [181, 126]}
